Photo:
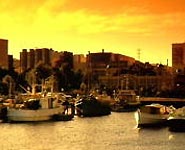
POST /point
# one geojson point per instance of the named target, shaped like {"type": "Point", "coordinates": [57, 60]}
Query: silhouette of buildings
{"type": "Point", "coordinates": [79, 62]}
{"type": "Point", "coordinates": [16, 65]}
{"type": "Point", "coordinates": [4, 53]}
{"type": "Point", "coordinates": [119, 71]}
{"type": "Point", "coordinates": [108, 63]}
{"type": "Point", "coordinates": [30, 59]}
{"type": "Point", "coordinates": [178, 57]}
{"type": "Point", "coordinates": [178, 65]}
{"type": "Point", "coordinates": [10, 62]}
{"type": "Point", "coordinates": [6, 61]}
{"type": "Point", "coordinates": [105, 67]}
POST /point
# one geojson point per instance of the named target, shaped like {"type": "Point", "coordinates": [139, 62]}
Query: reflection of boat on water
{"type": "Point", "coordinates": [126, 101]}
{"type": "Point", "coordinates": [62, 117]}
{"type": "Point", "coordinates": [152, 115]}
{"type": "Point", "coordinates": [41, 109]}
{"type": "Point", "coordinates": [176, 120]}
{"type": "Point", "coordinates": [89, 106]}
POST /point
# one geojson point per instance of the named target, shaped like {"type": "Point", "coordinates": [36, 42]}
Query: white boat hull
{"type": "Point", "coordinates": [144, 119]}
{"type": "Point", "coordinates": [21, 115]}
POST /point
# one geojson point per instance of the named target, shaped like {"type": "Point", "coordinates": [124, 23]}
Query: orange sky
{"type": "Point", "coordinates": [79, 26]}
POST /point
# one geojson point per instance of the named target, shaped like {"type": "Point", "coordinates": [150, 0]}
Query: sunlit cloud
{"type": "Point", "coordinates": [79, 24]}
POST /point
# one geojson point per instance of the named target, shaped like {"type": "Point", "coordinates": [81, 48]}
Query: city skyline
{"type": "Point", "coordinates": [118, 26]}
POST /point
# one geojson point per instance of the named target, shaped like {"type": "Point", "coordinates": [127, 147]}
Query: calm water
{"type": "Point", "coordinates": [114, 132]}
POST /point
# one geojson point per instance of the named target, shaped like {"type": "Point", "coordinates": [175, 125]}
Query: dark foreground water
{"type": "Point", "coordinates": [114, 132]}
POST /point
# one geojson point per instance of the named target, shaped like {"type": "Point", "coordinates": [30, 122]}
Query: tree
{"type": "Point", "coordinates": [42, 71]}
{"type": "Point", "coordinates": [10, 83]}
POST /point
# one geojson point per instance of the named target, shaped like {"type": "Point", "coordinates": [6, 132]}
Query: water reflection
{"type": "Point", "coordinates": [114, 132]}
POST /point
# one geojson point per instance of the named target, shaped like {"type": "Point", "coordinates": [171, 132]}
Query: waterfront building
{"type": "Point", "coordinates": [107, 64]}
{"type": "Point", "coordinates": [4, 53]}
{"type": "Point", "coordinates": [123, 72]}
{"type": "Point", "coordinates": [178, 66]}
{"type": "Point", "coordinates": [178, 57]}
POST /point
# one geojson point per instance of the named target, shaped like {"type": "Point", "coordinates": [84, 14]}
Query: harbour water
{"type": "Point", "coordinates": [117, 131]}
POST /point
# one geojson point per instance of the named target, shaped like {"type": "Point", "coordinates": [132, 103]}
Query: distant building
{"type": "Point", "coordinates": [108, 63]}
{"type": "Point", "coordinates": [106, 66]}
{"type": "Point", "coordinates": [62, 59]}
{"type": "Point", "coordinates": [4, 53]}
{"type": "Point", "coordinates": [10, 62]}
{"type": "Point", "coordinates": [178, 57]}
{"type": "Point", "coordinates": [30, 59]}
{"type": "Point", "coordinates": [23, 60]}
{"type": "Point", "coordinates": [16, 65]}
{"type": "Point", "coordinates": [79, 62]}
{"type": "Point", "coordinates": [178, 66]}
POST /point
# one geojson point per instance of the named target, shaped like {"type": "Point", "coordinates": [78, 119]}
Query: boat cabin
{"type": "Point", "coordinates": [154, 109]}
{"type": "Point", "coordinates": [127, 96]}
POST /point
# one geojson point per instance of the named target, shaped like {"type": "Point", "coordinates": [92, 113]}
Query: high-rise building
{"type": "Point", "coordinates": [23, 60]}
{"type": "Point", "coordinates": [178, 57]}
{"type": "Point", "coordinates": [10, 62]}
{"type": "Point", "coordinates": [38, 56]}
{"type": "Point", "coordinates": [30, 59]}
{"type": "Point", "coordinates": [4, 53]}
{"type": "Point", "coordinates": [46, 56]}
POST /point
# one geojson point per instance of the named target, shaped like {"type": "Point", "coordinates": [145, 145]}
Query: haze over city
{"type": "Point", "coordinates": [118, 26]}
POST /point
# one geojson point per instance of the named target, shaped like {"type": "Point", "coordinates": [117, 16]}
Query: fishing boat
{"type": "Point", "coordinates": [126, 101]}
{"type": "Point", "coordinates": [35, 109]}
{"type": "Point", "coordinates": [152, 115]}
{"type": "Point", "coordinates": [89, 106]}
{"type": "Point", "coordinates": [176, 120]}
{"type": "Point", "coordinates": [103, 98]}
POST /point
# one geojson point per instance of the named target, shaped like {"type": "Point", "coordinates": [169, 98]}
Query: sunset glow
{"type": "Point", "coordinates": [79, 26]}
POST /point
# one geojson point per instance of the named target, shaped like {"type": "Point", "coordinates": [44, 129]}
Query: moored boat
{"type": "Point", "coordinates": [42, 109]}
{"type": "Point", "coordinates": [89, 106]}
{"type": "Point", "coordinates": [152, 115]}
{"type": "Point", "coordinates": [126, 101]}
{"type": "Point", "coordinates": [105, 99]}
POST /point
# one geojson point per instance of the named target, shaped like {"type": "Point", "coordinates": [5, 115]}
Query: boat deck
{"type": "Point", "coordinates": [176, 102]}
